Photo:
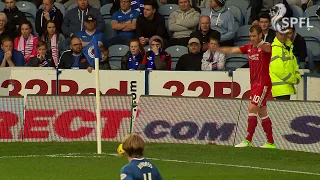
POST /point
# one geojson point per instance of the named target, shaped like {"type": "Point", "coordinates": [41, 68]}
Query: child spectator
{"type": "Point", "coordinates": [157, 58]}
{"type": "Point", "coordinates": [104, 64]}
{"type": "Point", "coordinates": [26, 42]}
{"type": "Point", "coordinates": [41, 60]}
{"type": "Point", "coordinates": [213, 60]}
{"type": "Point", "coordinates": [134, 56]}
{"type": "Point", "coordinates": [10, 57]}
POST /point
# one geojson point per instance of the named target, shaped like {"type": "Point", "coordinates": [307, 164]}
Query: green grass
{"type": "Point", "coordinates": [85, 164]}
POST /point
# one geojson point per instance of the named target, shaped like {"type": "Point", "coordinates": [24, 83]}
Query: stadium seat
{"type": "Point", "coordinates": [247, 16]}
{"type": "Point", "coordinates": [33, 26]}
{"type": "Point", "coordinates": [310, 13]}
{"type": "Point", "coordinates": [108, 31]}
{"type": "Point", "coordinates": [2, 6]}
{"type": "Point", "coordinates": [310, 60]}
{"type": "Point", "coordinates": [297, 11]}
{"type": "Point", "coordinates": [235, 61]}
{"type": "Point", "coordinates": [176, 52]}
{"type": "Point", "coordinates": [241, 4]}
{"type": "Point", "coordinates": [312, 38]}
{"type": "Point", "coordinates": [166, 10]}
{"type": "Point", "coordinates": [105, 11]}
{"type": "Point", "coordinates": [116, 52]}
{"type": "Point", "coordinates": [242, 36]}
{"type": "Point", "coordinates": [60, 6]}
{"type": "Point", "coordinates": [71, 6]}
{"type": "Point", "coordinates": [28, 8]}
{"type": "Point", "coordinates": [236, 12]}
{"type": "Point", "coordinates": [147, 48]}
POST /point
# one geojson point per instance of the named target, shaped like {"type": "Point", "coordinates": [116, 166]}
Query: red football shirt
{"type": "Point", "coordinates": [259, 61]}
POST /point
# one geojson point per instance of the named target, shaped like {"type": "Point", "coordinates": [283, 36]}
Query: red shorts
{"type": "Point", "coordinates": [259, 95]}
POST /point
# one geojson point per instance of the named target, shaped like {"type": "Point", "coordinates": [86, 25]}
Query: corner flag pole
{"type": "Point", "coordinates": [98, 115]}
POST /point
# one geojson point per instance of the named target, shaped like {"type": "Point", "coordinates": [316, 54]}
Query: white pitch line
{"type": "Point", "coordinates": [81, 155]}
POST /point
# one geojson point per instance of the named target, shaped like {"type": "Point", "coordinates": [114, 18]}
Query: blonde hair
{"type": "Point", "coordinates": [133, 145]}
{"type": "Point", "coordinates": [4, 15]}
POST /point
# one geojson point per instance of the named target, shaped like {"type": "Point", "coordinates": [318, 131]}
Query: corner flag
{"type": "Point", "coordinates": [92, 51]}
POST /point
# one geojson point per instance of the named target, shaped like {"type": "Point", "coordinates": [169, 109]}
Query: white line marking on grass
{"type": "Point", "coordinates": [89, 155]}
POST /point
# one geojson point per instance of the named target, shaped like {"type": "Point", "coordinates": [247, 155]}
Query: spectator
{"type": "Point", "coordinates": [205, 32]}
{"type": "Point", "coordinates": [73, 21]}
{"type": "Point", "coordinates": [74, 58]}
{"type": "Point", "coordinates": [263, 6]}
{"type": "Point", "coordinates": [27, 42]}
{"type": "Point", "coordinates": [48, 12]}
{"type": "Point", "coordinates": [124, 23]}
{"type": "Point", "coordinates": [14, 18]}
{"type": "Point", "coordinates": [213, 60]}
{"type": "Point", "coordinates": [192, 60]}
{"type": "Point", "coordinates": [3, 31]}
{"type": "Point", "coordinates": [104, 64]}
{"type": "Point", "coordinates": [134, 56]}
{"type": "Point", "coordinates": [182, 22]}
{"type": "Point", "coordinates": [299, 45]}
{"type": "Point", "coordinates": [10, 57]}
{"type": "Point", "coordinates": [41, 60]}
{"type": "Point", "coordinates": [67, 3]}
{"type": "Point", "coordinates": [55, 42]}
{"type": "Point", "coordinates": [268, 34]}
{"type": "Point", "coordinates": [137, 5]}
{"type": "Point", "coordinates": [304, 4]}
{"type": "Point", "coordinates": [221, 20]}
{"type": "Point", "coordinates": [90, 31]}
{"type": "Point", "coordinates": [157, 58]}
{"type": "Point", "coordinates": [151, 23]}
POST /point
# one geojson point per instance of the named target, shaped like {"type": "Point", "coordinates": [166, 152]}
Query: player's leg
{"type": "Point", "coordinates": [252, 124]}
{"type": "Point", "coordinates": [266, 121]}
{"type": "Point", "coordinates": [267, 127]}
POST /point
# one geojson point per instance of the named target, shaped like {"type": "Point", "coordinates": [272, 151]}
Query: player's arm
{"type": "Point", "coordinates": [229, 50]}
{"type": "Point", "coordinates": [125, 174]}
{"type": "Point", "coordinates": [266, 47]}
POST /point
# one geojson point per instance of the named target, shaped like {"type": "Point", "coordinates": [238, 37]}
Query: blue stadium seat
{"type": "Point", "coordinates": [313, 17]}
{"type": "Point", "coordinates": [166, 10]}
{"type": "Point", "coordinates": [236, 12]}
{"type": "Point", "coordinates": [116, 52]}
{"type": "Point", "coordinates": [60, 6]}
{"type": "Point", "coordinates": [297, 11]}
{"type": "Point", "coordinates": [235, 61]}
{"type": "Point", "coordinates": [71, 6]}
{"type": "Point", "coordinates": [2, 6]}
{"type": "Point", "coordinates": [241, 4]}
{"type": "Point", "coordinates": [312, 37]}
{"type": "Point", "coordinates": [176, 52]}
{"type": "Point", "coordinates": [28, 8]}
{"type": "Point", "coordinates": [242, 36]}
{"type": "Point", "coordinates": [105, 11]}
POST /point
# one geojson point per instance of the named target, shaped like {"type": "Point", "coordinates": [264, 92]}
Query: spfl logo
{"type": "Point", "coordinates": [281, 23]}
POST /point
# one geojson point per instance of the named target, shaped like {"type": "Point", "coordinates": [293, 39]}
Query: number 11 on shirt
{"type": "Point", "coordinates": [145, 177]}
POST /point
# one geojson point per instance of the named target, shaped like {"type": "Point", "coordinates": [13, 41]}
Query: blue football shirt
{"type": "Point", "coordinates": [140, 169]}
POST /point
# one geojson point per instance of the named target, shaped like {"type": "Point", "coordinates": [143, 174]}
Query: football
{"type": "Point", "coordinates": [120, 150]}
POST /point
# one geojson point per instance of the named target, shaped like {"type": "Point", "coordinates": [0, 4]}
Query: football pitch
{"type": "Point", "coordinates": [78, 161]}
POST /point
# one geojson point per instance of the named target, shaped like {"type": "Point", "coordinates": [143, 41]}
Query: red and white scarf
{"type": "Point", "coordinates": [26, 47]}
{"type": "Point", "coordinates": [55, 49]}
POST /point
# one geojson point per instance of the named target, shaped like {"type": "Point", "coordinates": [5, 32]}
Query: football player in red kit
{"type": "Point", "coordinates": [259, 56]}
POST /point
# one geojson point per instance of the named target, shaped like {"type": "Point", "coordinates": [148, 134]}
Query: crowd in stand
{"type": "Point", "coordinates": [201, 25]}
